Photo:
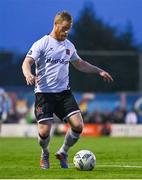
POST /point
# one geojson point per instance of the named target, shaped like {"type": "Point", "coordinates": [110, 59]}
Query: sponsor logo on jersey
{"type": "Point", "coordinates": [55, 61]}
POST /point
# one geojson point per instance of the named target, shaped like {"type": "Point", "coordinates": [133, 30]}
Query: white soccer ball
{"type": "Point", "coordinates": [84, 160]}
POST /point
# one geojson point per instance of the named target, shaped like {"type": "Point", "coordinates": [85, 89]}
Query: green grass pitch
{"type": "Point", "coordinates": [117, 158]}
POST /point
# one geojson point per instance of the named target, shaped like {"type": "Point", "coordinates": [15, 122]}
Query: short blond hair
{"type": "Point", "coordinates": [63, 16]}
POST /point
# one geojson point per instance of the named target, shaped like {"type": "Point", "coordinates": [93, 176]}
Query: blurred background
{"type": "Point", "coordinates": [106, 33]}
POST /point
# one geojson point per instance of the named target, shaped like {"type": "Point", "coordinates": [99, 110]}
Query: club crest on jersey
{"type": "Point", "coordinates": [67, 51]}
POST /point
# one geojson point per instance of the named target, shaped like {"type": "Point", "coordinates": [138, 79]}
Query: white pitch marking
{"type": "Point", "coordinates": [118, 166]}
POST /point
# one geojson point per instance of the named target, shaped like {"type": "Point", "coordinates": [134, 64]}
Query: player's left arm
{"type": "Point", "coordinates": [86, 67]}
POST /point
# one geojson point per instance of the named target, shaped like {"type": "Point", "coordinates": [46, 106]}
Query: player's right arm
{"type": "Point", "coordinates": [33, 54]}
{"type": "Point", "coordinates": [26, 67]}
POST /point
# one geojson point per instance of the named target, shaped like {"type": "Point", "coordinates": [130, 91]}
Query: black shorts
{"type": "Point", "coordinates": [62, 104]}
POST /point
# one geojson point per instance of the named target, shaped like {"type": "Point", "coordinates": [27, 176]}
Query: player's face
{"type": "Point", "coordinates": [62, 30]}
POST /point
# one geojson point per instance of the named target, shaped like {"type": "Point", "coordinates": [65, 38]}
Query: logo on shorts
{"type": "Point", "coordinates": [67, 51]}
{"type": "Point", "coordinates": [39, 110]}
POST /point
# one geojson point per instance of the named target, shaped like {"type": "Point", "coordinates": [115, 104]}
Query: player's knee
{"type": "Point", "coordinates": [78, 128]}
{"type": "Point", "coordinates": [44, 134]}
{"type": "Point", "coordinates": [44, 130]}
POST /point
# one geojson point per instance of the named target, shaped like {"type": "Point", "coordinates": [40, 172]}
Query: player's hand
{"type": "Point", "coordinates": [31, 79]}
{"type": "Point", "coordinates": [106, 76]}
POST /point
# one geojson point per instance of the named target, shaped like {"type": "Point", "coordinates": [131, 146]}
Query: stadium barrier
{"type": "Point", "coordinates": [19, 130]}
{"type": "Point", "coordinates": [30, 130]}
{"type": "Point", "coordinates": [128, 130]}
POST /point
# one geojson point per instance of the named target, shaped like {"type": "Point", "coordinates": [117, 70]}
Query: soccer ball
{"type": "Point", "coordinates": [84, 160]}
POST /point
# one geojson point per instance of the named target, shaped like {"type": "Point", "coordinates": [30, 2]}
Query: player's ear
{"type": "Point", "coordinates": [56, 25]}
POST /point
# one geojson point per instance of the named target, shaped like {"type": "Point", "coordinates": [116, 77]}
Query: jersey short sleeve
{"type": "Point", "coordinates": [37, 49]}
{"type": "Point", "coordinates": [74, 55]}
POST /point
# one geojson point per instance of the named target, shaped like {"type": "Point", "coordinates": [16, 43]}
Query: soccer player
{"type": "Point", "coordinates": [52, 55]}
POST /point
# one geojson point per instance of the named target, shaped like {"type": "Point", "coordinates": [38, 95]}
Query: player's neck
{"type": "Point", "coordinates": [53, 35]}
